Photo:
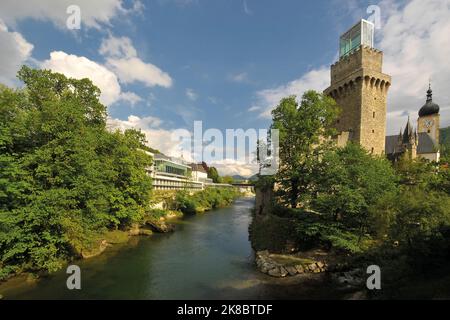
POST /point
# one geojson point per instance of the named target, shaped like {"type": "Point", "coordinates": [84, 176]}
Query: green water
{"type": "Point", "coordinates": [208, 257]}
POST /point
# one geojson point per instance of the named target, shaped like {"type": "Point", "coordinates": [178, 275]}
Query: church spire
{"type": "Point", "coordinates": [429, 93]}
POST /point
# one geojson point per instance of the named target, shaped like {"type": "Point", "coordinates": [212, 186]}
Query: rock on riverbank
{"type": "Point", "coordinates": [280, 266]}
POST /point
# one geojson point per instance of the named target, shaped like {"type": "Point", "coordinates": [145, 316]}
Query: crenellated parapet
{"type": "Point", "coordinates": [379, 84]}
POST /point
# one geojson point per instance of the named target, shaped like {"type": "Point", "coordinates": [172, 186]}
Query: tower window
{"type": "Point", "coordinates": [374, 114]}
{"type": "Point", "coordinates": [373, 150]}
{"type": "Point", "coordinates": [373, 131]}
{"type": "Point", "coordinates": [429, 131]}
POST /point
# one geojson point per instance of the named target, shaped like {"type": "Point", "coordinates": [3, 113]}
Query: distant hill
{"type": "Point", "coordinates": [238, 178]}
{"type": "Point", "coordinates": [445, 141]}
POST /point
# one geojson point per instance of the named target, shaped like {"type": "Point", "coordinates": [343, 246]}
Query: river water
{"type": "Point", "coordinates": [208, 257]}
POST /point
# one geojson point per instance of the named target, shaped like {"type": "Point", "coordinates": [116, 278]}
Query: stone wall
{"type": "Point", "coordinates": [360, 89]}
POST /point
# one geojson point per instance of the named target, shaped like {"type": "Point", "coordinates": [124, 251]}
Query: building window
{"type": "Point", "coordinates": [374, 114]}
{"type": "Point", "coordinates": [429, 131]}
{"type": "Point", "coordinates": [373, 131]}
{"type": "Point", "coordinates": [373, 150]}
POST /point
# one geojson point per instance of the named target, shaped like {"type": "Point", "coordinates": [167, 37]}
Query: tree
{"type": "Point", "coordinates": [303, 136]}
{"type": "Point", "coordinates": [64, 177]}
{"type": "Point", "coordinates": [228, 180]}
{"type": "Point", "coordinates": [413, 216]}
{"type": "Point", "coordinates": [214, 175]}
{"type": "Point", "coordinates": [348, 181]}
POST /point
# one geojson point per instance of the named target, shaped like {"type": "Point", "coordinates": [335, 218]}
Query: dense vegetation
{"type": "Point", "coordinates": [445, 142]}
{"type": "Point", "coordinates": [208, 199]}
{"type": "Point", "coordinates": [349, 201]}
{"type": "Point", "coordinates": [64, 177]}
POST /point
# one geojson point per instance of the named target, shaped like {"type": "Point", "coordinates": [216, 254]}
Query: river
{"type": "Point", "coordinates": [208, 257]}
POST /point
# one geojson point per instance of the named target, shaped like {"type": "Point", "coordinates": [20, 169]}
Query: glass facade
{"type": "Point", "coordinates": [360, 34]}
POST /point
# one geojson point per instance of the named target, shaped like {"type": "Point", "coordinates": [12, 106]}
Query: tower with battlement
{"type": "Point", "coordinates": [360, 88]}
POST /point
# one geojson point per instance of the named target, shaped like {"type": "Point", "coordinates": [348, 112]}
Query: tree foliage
{"type": "Point", "coordinates": [304, 130]}
{"type": "Point", "coordinates": [64, 176]}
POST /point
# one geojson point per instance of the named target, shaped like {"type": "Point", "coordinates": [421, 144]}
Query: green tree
{"type": "Point", "coordinates": [227, 180]}
{"type": "Point", "coordinates": [304, 130]}
{"type": "Point", "coordinates": [348, 181]}
{"type": "Point", "coordinates": [64, 177]}
{"type": "Point", "coordinates": [413, 217]}
{"type": "Point", "coordinates": [214, 175]}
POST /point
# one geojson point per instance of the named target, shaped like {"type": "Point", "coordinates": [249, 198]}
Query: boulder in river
{"type": "Point", "coordinates": [160, 226]}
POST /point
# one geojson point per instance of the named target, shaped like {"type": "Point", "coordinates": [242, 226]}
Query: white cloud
{"type": "Point", "coordinates": [130, 97]}
{"type": "Point", "coordinates": [122, 58]}
{"type": "Point", "coordinates": [81, 67]}
{"type": "Point", "coordinates": [267, 99]}
{"type": "Point", "coordinates": [191, 94]}
{"type": "Point", "coordinates": [229, 167]}
{"type": "Point", "coordinates": [15, 50]}
{"type": "Point", "coordinates": [93, 13]}
{"type": "Point", "coordinates": [156, 136]}
{"type": "Point", "coordinates": [416, 44]}
{"type": "Point", "coordinates": [78, 67]}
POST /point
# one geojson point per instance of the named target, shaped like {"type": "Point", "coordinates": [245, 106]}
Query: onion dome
{"type": "Point", "coordinates": [429, 107]}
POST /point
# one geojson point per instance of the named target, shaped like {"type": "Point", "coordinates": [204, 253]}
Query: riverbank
{"type": "Point", "coordinates": [207, 257]}
{"type": "Point", "coordinates": [174, 205]}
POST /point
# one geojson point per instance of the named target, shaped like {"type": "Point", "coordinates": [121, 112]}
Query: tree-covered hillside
{"type": "Point", "coordinates": [445, 141]}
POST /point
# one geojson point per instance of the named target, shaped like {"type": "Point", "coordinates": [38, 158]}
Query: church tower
{"type": "Point", "coordinates": [360, 88]}
{"type": "Point", "coordinates": [429, 117]}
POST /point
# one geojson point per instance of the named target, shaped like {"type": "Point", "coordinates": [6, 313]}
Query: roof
{"type": "Point", "coordinates": [391, 144]}
{"type": "Point", "coordinates": [426, 144]}
{"type": "Point", "coordinates": [198, 167]}
{"type": "Point", "coordinates": [429, 108]}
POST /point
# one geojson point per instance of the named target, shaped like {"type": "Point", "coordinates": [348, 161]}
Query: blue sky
{"type": "Point", "coordinates": [225, 62]}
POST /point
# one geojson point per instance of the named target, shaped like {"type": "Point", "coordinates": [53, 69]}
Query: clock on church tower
{"type": "Point", "coordinates": [428, 121]}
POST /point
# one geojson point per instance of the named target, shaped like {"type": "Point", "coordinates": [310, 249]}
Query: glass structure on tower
{"type": "Point", "coordinates": [360, 34]}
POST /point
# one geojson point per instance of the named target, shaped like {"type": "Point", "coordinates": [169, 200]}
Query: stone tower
{"type": "Point", "coordinates": [429, 117]}
{"type": "Point", "coordinates": [360, 88]}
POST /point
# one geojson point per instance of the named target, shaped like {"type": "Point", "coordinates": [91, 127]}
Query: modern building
{"type": "Point", "coordinates": [169, 173]}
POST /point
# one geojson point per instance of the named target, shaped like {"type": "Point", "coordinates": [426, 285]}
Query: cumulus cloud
{"type": "Point", "coordinates": [266, 100]}
{"type": "Point", "coordinates": [77, 67]}
{"type": "Point", "coordinates": [416, 44]}
{"type": "Point", "coordinates": [130, 97]}
{"type": "Point", "coordinates": [230, 167]}
{"type": "Point", "coordinates": [122, 58]}
{"type": "Point", "coordinates": [81, 67]}
{"type": "Point", "coordinates": [94, 13]}
{"type": "Point", "coordinates": [14, 52]}
{"type": "Point", "coordinates": [157, 137]}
